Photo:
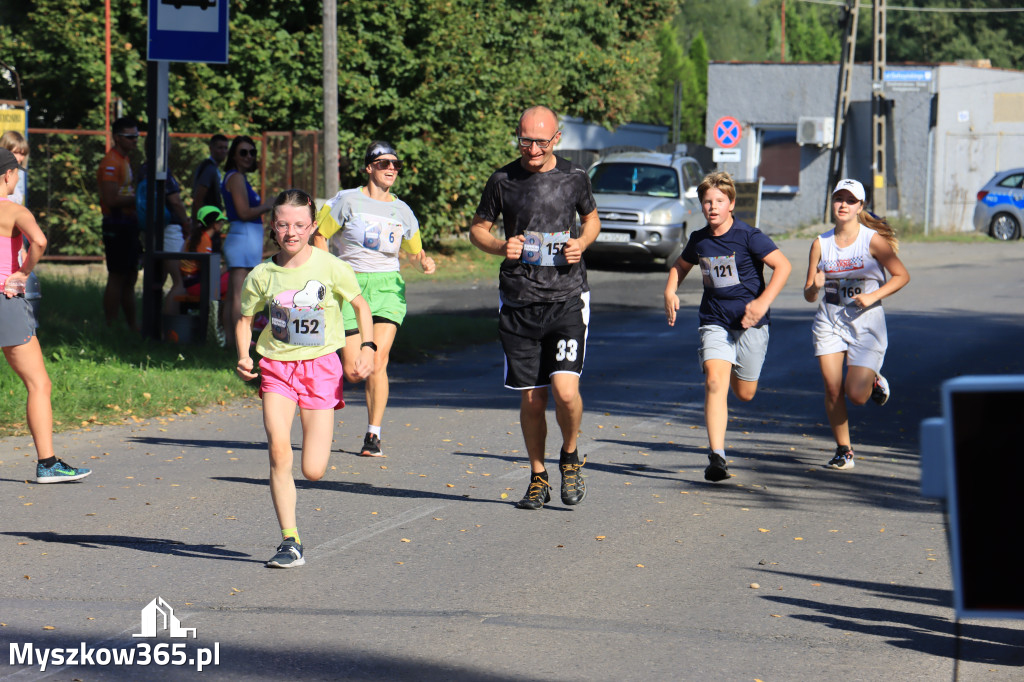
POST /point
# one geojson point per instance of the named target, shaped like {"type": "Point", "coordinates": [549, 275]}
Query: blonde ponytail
{"type": "Point", "coordinates": [880, 226]}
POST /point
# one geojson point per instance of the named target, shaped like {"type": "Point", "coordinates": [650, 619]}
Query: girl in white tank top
{"type": "Point", "coordinates": [847, 269]}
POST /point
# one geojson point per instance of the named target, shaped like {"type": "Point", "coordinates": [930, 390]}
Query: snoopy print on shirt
{"type": "Point", "coordinates": [297, 315]}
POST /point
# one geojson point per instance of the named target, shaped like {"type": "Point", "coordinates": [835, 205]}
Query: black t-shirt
{"type": "Point", "coordinates": [208, 175]}
{"type": "Point", "coordinates": [541, 203]}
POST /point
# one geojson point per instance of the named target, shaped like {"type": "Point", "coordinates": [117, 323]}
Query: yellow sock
{"type": "Point", "coordinates": [291, 533]}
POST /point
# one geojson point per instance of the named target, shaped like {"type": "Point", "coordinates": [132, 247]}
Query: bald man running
{"type": "Point", "coordinates": [544, 298]}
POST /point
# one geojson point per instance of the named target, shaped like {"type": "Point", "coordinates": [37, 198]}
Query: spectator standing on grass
{"type": "Point", "coordinates": [366, 227]}
{"type": "Point", "coordinates": [17, 333]}
{"type": "Point", "coordinates": [734, 316]}
{"type": "Point", "coordinates": [207, 178]}
{"type": "Point", "coordinates": [120, 226]}
{"type": "Point", "coordinates": [16, 143]}
{"type": "Point", "coordinates": [177, 227]}
{"type": "Point", "coordinates": [849, 263]}
{"type": "Point", "coordinates": [243, 244]}
{"type": "Point", "coordinates": [304, 287]}
{"type": "Point", "coordinates": [544, 298]}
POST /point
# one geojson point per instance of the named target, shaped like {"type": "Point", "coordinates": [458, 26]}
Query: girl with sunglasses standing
{"type": "Point", "coordinates": [243, 244]}
{"type": "Point", "coordinates": [366, 227]}
{"type": "Point", "coordinates": [850, 263]}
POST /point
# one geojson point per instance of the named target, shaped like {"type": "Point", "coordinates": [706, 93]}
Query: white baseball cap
{"type": "Point", "coordinates": [851, 186]}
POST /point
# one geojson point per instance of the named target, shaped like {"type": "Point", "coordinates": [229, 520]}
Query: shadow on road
{"type": "Point", "coordinates": [360, 489]}
{"type": "Point", "coordinates": [199, 443]}
{"type": "Point", "coordinates": [155, 545]}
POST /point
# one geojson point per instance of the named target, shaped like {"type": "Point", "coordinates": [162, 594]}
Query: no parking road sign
{"type": "Point", "coordinates": [728, 132]}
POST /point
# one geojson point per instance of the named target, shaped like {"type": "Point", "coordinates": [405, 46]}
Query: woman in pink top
{"type": "Point", "coordinates": [18, 328]}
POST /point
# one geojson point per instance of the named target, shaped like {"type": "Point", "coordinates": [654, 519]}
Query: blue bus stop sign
{"type": "Point", "coordinates": [188, 31]}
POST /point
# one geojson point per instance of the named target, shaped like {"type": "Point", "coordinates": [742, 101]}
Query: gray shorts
{"type": "Point", "coordinates": [19, 323]}
{"type": "Point", "coordinates": [744, 348]}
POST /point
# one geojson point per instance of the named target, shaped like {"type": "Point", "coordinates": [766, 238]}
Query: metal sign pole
{"type": "Point", "coordinates": [156, 177]}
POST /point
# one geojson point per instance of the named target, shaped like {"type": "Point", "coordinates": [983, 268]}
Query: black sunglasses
{"type": "Point", "coordinates": [247, 152]}
{"type": "Point", "coordinates": [131, 136]}
{"type": "Point", "coordinates": [384, 164]}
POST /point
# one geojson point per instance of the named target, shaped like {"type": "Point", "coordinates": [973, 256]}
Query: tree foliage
{"type": "Point", "coordinates": [741, 30]}
{"type": "Point", "coordinates": [444, 80]}
{"type": "Point", "coordinates": [949, 36]}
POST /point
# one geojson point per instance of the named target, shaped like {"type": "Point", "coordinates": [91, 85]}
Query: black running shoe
{"type": "Point", "coordinates": [537, 494]}
{"type": "Point", "coordinates": [371, 446]}
{"type": "Point", "coordinates": [574, 488]}
{"type": "Point", "coordinates": [843, 459]}
{"type": "Point", "coordinates": [717, 470]}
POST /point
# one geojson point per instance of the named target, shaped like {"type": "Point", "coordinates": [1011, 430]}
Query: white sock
{"type": "Point", "coordinates": [375, 430]}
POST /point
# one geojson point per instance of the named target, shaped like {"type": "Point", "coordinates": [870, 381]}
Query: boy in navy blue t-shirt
{"type": "Point", "coordinates": [734, 316]}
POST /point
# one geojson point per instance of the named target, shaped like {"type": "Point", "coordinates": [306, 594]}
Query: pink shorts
{"type": "Point", "coordinates": [313, 384]}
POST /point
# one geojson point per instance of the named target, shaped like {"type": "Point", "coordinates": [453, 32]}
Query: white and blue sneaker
{"type": "Point", "coordinates": [59, 472]}
{"type": "Point", "coordinates": [880, 391]}
{"type": "Point", "coordinates": [289, 555]}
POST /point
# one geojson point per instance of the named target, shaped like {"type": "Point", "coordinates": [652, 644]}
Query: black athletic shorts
{"type": "Point", "coordinates": [121, 245]}
{"type": "Point", "coordinates": [541, 339]}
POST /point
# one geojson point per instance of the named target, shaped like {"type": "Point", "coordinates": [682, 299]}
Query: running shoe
{"type": "Point", "coordinates": [371, 446]}
{"type": "Point", "coordinates": [537, 494]}
{"type": "Point", "coordinates": [843, 459]}
{"type": "Point", "coordinates": [717, 470]}
{"type": "Point", "coordinates": [59, 472]}
{"type": "Point", "coordinates": [289, 555]}
{"type": "Point", "coordinates": [574, 488]}
{"type": "Point", "coordinates": [880, 391]}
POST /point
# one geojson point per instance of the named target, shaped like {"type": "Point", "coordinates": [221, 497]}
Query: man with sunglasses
{"type": "Point", "coordinates": [120, 228]}
{"type": "Point", "coordinates": [544, 298]}
{"type": "Point", "coordinates": [366, 227]}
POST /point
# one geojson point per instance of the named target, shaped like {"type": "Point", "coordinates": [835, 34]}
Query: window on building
{"type": "Point", "coordinates": [778, 158]}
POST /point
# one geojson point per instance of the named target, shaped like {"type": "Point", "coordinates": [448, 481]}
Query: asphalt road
{"type": "Point", "coordinates": [418, 565]}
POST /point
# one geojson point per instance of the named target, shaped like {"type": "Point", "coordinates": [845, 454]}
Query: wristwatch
{"type": "Point", "coordinates": [368, 344]}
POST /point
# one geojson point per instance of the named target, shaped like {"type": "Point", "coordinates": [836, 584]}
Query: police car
{"type": "Point", "coordinates": [1000, 207]}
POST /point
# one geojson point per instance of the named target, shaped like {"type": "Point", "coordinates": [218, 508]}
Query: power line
{"type": "Point", "coordinates": [946, 10]}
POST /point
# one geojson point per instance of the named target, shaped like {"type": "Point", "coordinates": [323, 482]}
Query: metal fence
{"type": "Point", "coordinates": [63, 192]}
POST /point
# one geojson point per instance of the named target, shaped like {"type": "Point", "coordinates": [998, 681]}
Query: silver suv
{"type": "Point", "coordinates": [647, 202]}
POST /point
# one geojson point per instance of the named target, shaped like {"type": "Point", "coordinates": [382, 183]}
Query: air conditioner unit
{"type": "Point", "coordinates": [816, 130]}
